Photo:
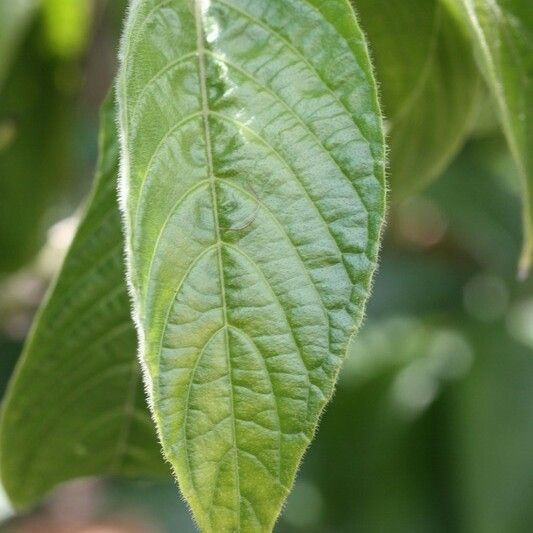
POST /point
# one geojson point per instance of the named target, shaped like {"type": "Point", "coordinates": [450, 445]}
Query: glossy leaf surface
{"type": "Point", "coordinates": [75, 406]}
{"type": "Point", "coordinates": [253, 196]}
{"type": "Point", "coordinates": [502, 32]}
{"type": "Point", "coordinates": [429, 84]}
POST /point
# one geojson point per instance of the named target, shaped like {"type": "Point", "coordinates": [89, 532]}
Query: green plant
{"type": "Point", "coordinates": [252, 195]}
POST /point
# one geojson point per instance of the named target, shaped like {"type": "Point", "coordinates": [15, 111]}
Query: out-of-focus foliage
{"type": "Point", "coordinates": [66, 26]}
{"type": "Point", "coordinates": [502, 35]}
{"type": "Point", "coordinates": [40, 145]}
{"type": "Point", "coordinates": [429, 85]}
{"type": "Point", "coordinates": [15, 16]}
{"type": "Point", "coordinates": [491, 427]}
{"type": "Point", "coordinates": [35, 154]}
{"type": "Point", "coordinates": [79, 381]}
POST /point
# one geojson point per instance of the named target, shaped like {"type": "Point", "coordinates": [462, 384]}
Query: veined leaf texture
{"type": "Point", "coordinates": [252, 191]}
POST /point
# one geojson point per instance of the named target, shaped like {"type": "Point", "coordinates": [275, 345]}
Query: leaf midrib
{"type": "Point", "coordinates": [202, 75]}
{"type": "Point", "coordinates": [199, 10]}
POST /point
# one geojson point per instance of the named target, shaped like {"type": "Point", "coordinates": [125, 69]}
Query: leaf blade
{"type": "Point", "coordinates": [76, 390]}
{"type": "Point", "coordinates": [229, 284]}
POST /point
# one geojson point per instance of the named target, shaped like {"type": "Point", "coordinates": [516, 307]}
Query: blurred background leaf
{"type": "Point", "coordinates": [502, 36]}
{"type": "Point", "coordinates": [66, 26]}
{"type": "Point", "coordinates": [15, 16]}
{"type": "Point", "coordinates": [35, 156]}
{"type": "Point", "coordinates": [429, 85]}
{"type": "Point", "coordinates": [78, 388]}
{"type": "Point", "coordinates": [48, 115]}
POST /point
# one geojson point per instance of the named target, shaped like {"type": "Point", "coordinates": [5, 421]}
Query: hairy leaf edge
{"type": "Point", "coordinates": [122, 191]}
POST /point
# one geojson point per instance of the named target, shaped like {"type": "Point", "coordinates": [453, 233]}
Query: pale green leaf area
{"type": "Point", "coordinates": [253, 195]}
{"type": "Point", "coordinates": [429, 86]}
{"type": "Point", "coordinates": [15, 15]}
{"type": "Point", "coordinates": [75, 406]}
{"type": "Point", "coordinates": [502, 33]}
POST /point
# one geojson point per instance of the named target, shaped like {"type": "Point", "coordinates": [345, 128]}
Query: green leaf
{"type": "Point", "coordinates": [502, 32]}
{"type": "Point", "coordinates": [74, 407]}
{"type": "Point", "coordinates": [253, 195]}
{"type": "Point", "coordinates": [15, 15]}
{"type": "Point", "coordinates": [429, 83]}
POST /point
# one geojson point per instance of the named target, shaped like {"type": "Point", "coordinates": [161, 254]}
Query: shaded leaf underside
{"type": "Point", "coordinates": [253, 197]}
{"type": "Point", "coordinates": [502, 32]}
{"type": "Point", "coordinates": [75, 406]}
{"type": "Point", "coordinates": [429, 82]}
